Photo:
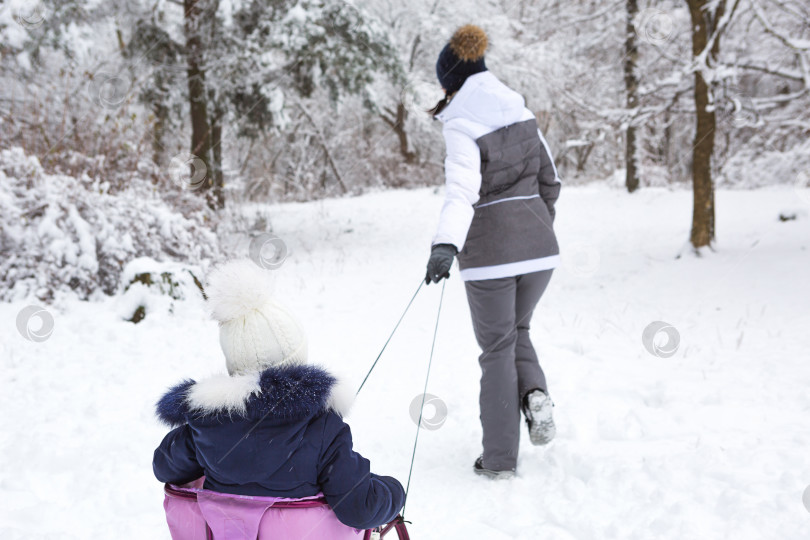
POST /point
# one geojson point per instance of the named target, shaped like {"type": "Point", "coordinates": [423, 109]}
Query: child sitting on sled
{"type": "Point", "coordinates": [273, 425]}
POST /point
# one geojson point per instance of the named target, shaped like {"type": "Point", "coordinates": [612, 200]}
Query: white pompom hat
{"type": "Point", "coordinates": [255, 331]}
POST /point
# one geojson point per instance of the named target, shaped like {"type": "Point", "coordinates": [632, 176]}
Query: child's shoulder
{"type": "Point", "coordinates": [279, 392]}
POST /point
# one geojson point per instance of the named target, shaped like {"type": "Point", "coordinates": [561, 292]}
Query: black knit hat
{"type": "Point", "coordinates": [462, 57]}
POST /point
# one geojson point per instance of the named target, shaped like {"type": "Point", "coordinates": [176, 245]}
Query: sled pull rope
{"type": "Point", "coordinates": [421, 282]}
{"type": "Point", "coordinates": [424, 392]}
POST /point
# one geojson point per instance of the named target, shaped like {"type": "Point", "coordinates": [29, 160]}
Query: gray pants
{"type": "Point", "coordinates": [501, 310]}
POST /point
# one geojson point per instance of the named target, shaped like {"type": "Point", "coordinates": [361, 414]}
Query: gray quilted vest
{"type": "Point", "coordinates": [511, 222]}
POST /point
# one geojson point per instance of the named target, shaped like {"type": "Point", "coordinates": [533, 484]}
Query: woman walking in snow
{"type": "Point", "coordinates": [497, 218]}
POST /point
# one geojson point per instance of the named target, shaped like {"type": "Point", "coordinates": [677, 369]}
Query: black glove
{"type": "Point", "coordinates": [441, 259]}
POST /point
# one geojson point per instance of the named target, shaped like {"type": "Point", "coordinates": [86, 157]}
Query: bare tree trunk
{"type": "Point", "coordinates": [397, 122]}
{"type": "Point", "coordinates": [217, 195]}
{"type": "Point", "coordinates": [631, 86]}
{"type": "Point", "coordinates": [396, 119]}
{"type": "Point", "coordinates": [195, 73]}
{"type": "Point", "coordinates": [161, 114]}
{"type": "Point", "coordinates": [328, 155]}
{"type": "Point", "coordinates": [703, 21]}
{"type": "Point", "coordinates": [703, 187]}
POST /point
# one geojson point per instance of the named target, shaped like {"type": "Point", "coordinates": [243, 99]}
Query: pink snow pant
{"type": "Point", "coordinates": [198, 514]}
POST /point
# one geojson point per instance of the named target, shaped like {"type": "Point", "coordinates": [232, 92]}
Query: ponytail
{"type": "Point", "coordinates": [439, 107]}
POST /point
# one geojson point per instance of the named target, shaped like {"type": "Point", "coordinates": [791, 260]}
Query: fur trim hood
{"type": "Point", "coordinates": [282, 392]}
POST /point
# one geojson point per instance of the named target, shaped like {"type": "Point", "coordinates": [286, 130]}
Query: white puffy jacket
{"type": "Point", "coordinates": [482, 105]}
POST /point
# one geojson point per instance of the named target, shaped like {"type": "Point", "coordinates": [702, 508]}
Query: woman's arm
{"type": "Point", "coordinates": [548, 178]}
{"type": "Point", "coordinates": [462, 169]}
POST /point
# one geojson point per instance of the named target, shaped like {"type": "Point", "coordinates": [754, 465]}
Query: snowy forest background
{"type": "Point", "coordinates": [130, 128]}
{"type": "Point", "coordinates": [143, 141]}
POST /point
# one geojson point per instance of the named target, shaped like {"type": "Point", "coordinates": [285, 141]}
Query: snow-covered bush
{"type": "Point", "coordinates": [150, 285]}
{"type": "Point", "coordinates": [63, 233]}
{"type": "Point", "coordinates": [763, 166]}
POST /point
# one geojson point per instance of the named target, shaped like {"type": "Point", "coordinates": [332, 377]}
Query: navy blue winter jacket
{"type": "Point", "coordinates": [273, 433]}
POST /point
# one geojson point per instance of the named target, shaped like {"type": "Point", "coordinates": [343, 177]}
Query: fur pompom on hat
{"type": "Point", "coordinates": [469, 43]}
{"type": "Point", "coordinates": [255, 331]}
{"type": "Point", "coordinates": [461, 57]}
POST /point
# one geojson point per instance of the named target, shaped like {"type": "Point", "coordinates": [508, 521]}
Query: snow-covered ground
{"type": "Point", "coordinates": [711, 442]}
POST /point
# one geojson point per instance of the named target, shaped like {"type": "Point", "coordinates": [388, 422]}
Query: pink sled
{"type": "Point", "coordinates": [194, 513]}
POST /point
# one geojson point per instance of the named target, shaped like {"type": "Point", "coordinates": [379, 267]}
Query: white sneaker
{"type": "Point", "coordinates": [537, 407]}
